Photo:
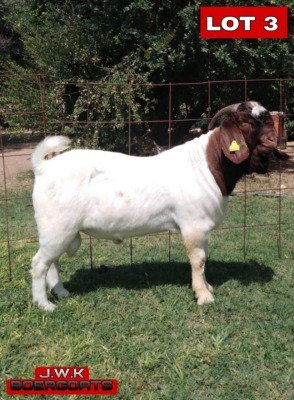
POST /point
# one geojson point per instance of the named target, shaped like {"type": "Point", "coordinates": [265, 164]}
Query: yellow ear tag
{"type": "Point", "coordinates": [234, 146]}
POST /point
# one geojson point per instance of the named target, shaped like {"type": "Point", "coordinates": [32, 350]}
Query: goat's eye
{"type": "Point", "coordinates": [265, 118]}
{"type": "Point", "coordinates": [245, 125]}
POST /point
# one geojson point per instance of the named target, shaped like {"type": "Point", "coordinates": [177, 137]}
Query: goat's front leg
{"type": "Point", "coordinates": [196, 248]}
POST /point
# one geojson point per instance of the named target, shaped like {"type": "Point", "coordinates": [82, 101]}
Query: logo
{"type": "Point", "coordinates": [61, 381]}
{"type": "Point", "coordinates": [244, 22]}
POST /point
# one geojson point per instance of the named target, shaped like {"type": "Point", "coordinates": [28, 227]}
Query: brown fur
{"type": "Point", "coordinates": [257, 141]}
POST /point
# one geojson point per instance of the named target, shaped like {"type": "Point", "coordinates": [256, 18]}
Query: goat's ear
{"type": "Point", "coordinates": [233, 143]}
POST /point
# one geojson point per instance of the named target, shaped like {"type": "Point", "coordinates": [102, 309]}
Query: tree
{"type": "Point", "coordinates": [140, 41]}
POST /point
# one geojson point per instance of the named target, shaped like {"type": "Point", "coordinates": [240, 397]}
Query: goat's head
{"type": "Point", "coordinates": [247, 138]}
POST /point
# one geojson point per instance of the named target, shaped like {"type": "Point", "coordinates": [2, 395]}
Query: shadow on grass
{"type": "Point", "coordinates": [141, 276]}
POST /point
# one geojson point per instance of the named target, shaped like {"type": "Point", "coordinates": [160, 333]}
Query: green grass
{"type": "Point", "coordinates": [140, 324]}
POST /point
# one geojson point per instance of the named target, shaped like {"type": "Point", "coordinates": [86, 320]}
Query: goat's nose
{"type": "Point", "coordinates": [272, 141]}
{"type": "Point", "coordinates": [269, 140]}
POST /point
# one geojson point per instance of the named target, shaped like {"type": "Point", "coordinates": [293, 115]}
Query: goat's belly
{"type": "Point", "coordinates": [118, 228]}
{"type": "Point", "coordinates": [117, 210]}
{"type": "Point", "coordinates": [119, 235]}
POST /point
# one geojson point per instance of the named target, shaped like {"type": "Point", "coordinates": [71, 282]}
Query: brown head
{"type": "Point", "coordinates": [242, 144]}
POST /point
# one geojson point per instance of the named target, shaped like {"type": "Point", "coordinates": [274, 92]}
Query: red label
{"type": "Point", "coordinates": [61, 381]}
{"type": "Point", "coordinates": [79, 373]}
{"type": "Point", "coordinates": [244, 22]}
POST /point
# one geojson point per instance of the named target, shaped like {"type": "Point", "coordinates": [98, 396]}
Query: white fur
{"type": "Point", "coordinates": [257, 109]}
{"type": "Point", "coordinates": [115, 196]}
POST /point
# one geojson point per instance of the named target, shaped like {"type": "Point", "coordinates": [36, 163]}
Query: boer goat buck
{"type": "Point", "coordinates": [115, 196]}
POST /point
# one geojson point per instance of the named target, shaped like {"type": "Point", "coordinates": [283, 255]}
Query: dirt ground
{"type": "Point", "coordinates": [16, 158]}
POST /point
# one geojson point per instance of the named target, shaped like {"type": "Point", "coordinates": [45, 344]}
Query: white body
{"type": "Point", "coordinates": [115, 196]}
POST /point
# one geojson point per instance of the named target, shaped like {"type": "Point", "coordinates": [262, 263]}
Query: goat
{"type": "Point", "coordinates": [116, 196]}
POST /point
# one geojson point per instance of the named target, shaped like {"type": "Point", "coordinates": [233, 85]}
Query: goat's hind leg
{"type": "Point", "coordinates": [53, 278]}
{"type": "Point", "coordinates": [40, 267]}
{"type": "Point", "coordinates": [44, 267]}
{"type": "Point", "coordinates": [54, 282]}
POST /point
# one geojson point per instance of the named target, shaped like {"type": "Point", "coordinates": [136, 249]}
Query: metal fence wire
{"type": "Point", "coordinates": [137, 119]}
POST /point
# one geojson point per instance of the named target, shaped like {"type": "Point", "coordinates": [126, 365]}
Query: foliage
{"type": "Point", "coordinates": [139, 41]}
{"type": "Point", "coordinates": [10, 43]}
{"type": "Point", "coordinates": [290, 129]}
{"type": "Point", "coordinates": [74, 40]}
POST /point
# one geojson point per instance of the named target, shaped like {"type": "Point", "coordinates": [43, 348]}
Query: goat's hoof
{"type": "Point", "coordinates": [205, 298]}
{"type": "Point", "coordinates": [59, 291]}
{"type": "Point", "coordinates": [210, 288]}
{"type": "Point", "coordinates": [61, 294]}
{"type": "Point", "coordinates": [48, 306]}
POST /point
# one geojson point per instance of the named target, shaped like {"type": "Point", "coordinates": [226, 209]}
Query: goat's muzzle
{"type": "Point", "coordinates": [269, 144]}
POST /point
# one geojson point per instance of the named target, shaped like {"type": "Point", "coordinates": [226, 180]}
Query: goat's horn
{"type": "Point", "coordinates": [225, 110]}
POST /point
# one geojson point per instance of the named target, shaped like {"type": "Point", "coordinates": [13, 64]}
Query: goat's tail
{"type": "Point", "coordinates": [51, 144]}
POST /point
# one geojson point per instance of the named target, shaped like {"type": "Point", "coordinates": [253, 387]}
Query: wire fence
{"type": "Point", "coordinates": [137, 119]}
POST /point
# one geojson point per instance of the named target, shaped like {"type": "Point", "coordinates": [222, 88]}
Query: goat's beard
{"type": "Point", "coordinates": [259, 161]}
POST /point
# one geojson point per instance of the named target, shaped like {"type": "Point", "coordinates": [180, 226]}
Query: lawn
{"type": "Point", "coordinates": [132, 316]}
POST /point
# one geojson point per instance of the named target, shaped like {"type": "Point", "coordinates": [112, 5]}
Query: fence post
{"type": "Point", "coordinates": [6, 208]}
{"type": "Point", "coordinates": [130, 144]}
{"type": "Point", "coordinates": [43, 102]}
